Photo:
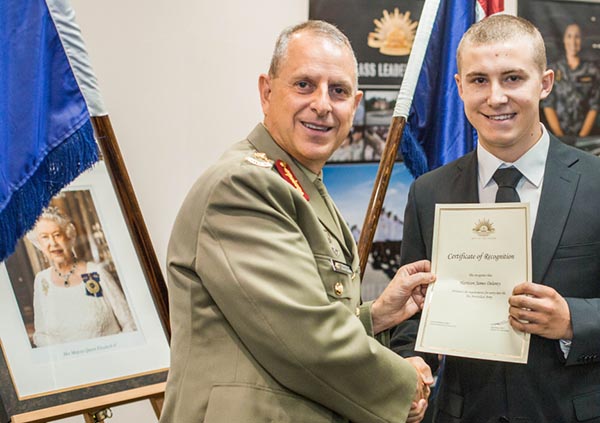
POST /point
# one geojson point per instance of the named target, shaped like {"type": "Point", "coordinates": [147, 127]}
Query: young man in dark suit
{"type": "Point", "coordinates": [502, 77]}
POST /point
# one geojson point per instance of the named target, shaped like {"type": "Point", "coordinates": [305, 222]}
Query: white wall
{"type": "Point", "coordinates": [179, 79]}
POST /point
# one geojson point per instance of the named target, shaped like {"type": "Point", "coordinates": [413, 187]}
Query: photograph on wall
{"type": "Point", "coordinates": [368, 135]}
{"type": "Point", "coordinates": [74, 301]}
{"type": "Point", "coordinates": [379, 106]}
{"type": "Point", "coordinates": [572, 37]}
{"type": "Point", "coordinates": [350, 186]}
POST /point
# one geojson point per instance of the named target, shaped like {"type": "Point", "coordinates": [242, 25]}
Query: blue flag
{"type": "Point", "coordinates": [437, 130]}
{"type": "Point", "coordinates": [46, 137]}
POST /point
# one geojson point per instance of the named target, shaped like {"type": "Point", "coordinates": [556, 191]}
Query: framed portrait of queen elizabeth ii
{"type": "Point", "coordinates": [78, 313]}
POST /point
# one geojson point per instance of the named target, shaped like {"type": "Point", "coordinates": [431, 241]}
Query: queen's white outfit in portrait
{"type": "Point", "coordinates": [94, 308]}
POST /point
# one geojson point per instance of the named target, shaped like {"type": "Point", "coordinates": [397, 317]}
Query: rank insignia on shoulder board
{"type": "Point", "coordinates": [259, 159]}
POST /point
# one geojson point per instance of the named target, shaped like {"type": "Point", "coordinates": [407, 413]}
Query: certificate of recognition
{"type": "Point", "coordinates": [480, 253]}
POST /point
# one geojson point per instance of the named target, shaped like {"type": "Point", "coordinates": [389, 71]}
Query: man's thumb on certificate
{"type": "Point", "coordinates": [403, 297]}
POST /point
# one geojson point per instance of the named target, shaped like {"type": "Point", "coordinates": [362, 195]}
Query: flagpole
{"type": "Point", "coordinates": [390, 151]}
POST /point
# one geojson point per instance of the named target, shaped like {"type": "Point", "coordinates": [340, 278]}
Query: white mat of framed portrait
{"type": "Point", "coordinates": [46, 354]}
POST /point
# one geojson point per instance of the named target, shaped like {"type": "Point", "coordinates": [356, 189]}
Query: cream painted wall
{"type": "Point", "coordinates": [179, 79]}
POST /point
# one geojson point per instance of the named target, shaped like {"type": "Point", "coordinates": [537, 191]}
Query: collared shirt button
{"type": "Point", "coordinates": [339, 289]}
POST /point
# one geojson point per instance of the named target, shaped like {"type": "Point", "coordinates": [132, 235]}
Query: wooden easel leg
{"type": "Point", "coordinates": [157, 403]}
{"type": "Point", "coordinates": [98, 416]}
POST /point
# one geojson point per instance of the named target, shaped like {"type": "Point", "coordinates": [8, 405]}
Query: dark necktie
{"type": "Point", "coordinates": [507, 180]}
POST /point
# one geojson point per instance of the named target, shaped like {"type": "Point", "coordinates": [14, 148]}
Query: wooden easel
{"type": "Point", "coordinates": [106, 413]}
{"type": "Point", "coordinates": [94, 410]}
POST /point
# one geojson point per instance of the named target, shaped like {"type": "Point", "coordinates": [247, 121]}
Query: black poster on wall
{"type": "Point", "coordinates": [381, 33]}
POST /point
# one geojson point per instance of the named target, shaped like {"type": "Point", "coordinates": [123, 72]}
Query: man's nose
{"type": "Point", "coordinates": [321, 102]}
{"type": "Point", "coordinates": [496, 96]}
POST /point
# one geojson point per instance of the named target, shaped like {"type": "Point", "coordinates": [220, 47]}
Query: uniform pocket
{"type": "Point", "coordinates": [234, 403]}
{"type": "Point", "coordinates": [339, 286]}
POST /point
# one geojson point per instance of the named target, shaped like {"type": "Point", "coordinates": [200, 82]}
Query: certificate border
{"type": "Point", "coordinates": [420, 346]}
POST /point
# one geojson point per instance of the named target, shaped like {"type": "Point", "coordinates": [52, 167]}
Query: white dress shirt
{"type": "Point", "coordinates": [531, 165]}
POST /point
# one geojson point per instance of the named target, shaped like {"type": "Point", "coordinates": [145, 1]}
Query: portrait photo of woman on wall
{"type": "Point", "coordinates": [73, 299]}
{"type": "Point", "coordinates": [572, 37]}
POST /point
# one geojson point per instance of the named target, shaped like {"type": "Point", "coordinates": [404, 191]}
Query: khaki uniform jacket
{"type": "Point", "coordinates": [264, 329]}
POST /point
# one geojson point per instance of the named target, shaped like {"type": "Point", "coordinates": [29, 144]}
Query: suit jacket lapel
{"type": "Point", "coordinates": [464, 189]}
{"type": "Point", "coordinates": [558, 192]}
{"type": "Point", "coordinates": [263, 142]}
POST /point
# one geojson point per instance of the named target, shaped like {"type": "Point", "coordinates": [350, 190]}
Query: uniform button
{"type": "Point", "coordinates": [357, 311]}
{"type": "Point", "coordinates": [338, 288]}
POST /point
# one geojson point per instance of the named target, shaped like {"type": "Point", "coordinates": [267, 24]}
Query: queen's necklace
{"type": "Point", "coordinates": [67, 275]}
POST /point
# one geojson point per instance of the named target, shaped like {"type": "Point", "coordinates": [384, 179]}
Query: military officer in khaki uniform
{"type": "Point", "coordinates": [264, 290]}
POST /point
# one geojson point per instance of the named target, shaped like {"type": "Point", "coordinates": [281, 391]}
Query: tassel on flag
{"type": "Point", "coordinates": [49, 93]}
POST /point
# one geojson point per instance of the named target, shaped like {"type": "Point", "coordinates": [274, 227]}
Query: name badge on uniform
{"type": "Point", "coordinates": [340, 267]}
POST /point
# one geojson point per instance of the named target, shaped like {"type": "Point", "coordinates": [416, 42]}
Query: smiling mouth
{"type": "Point", "coordinates": [500, 118]}
{"type": "Point", "coordinates": [315, 127]}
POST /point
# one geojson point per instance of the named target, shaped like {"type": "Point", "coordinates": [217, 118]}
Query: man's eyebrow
{"type": "Point", "coordinates": [512, 70]}
{"type": "Point", "coordinates": [474, 74]}
{"type": "Point", "coordinates": [300, 76]}
{"type": "Point", "coordinates": [340, 83]}
{"type": "Point", "coordinates": [485, 74]}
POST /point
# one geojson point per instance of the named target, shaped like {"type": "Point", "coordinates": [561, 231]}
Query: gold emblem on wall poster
{"type": "Point", "coordinates": [394, 33]}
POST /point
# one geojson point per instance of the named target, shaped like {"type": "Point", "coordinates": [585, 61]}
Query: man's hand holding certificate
{"type": "Point", "coordinates": [480, 253]}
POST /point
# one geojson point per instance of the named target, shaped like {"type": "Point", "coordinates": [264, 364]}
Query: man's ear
{"type": "Point", "coordinates": [547, 83]}
{"type": "Point", "coordinates": [458, 84]}
{"type": "Point", "coordinates": [264, 89]}
{"type": "Point", "coordinates": [357, 97]}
